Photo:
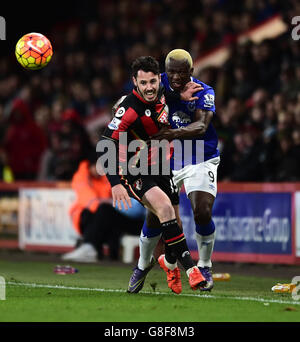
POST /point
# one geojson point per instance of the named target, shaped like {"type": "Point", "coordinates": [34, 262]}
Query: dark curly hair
{"type": "Point", "coordinates": [145, 63]}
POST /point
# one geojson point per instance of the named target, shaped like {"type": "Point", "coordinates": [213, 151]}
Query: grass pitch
{"type": "Point", "coordinates": [97, 293]}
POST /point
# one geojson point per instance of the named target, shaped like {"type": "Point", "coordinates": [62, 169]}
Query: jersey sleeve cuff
{"type": "Point", "coordinates": [113, 179]}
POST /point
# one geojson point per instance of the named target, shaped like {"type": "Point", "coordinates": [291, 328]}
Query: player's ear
{"type": "Point", "coordinates": [134, 81]}
{"type": "Point", "coordinates": [191, 71]}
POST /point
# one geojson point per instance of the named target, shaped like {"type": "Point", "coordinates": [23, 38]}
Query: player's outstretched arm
{"type": "Point", "coordinates": [194, 130]}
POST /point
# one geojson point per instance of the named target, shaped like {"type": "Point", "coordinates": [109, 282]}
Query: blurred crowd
{"type": "Point", "coordinates": [51, 119]}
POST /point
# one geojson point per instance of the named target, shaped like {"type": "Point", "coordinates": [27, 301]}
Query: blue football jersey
{"type": "Point", "coordinates": [181, 114]}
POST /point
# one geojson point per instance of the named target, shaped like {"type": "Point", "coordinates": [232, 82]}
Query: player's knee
{"type": "Point", "coordinates": [202, 216]}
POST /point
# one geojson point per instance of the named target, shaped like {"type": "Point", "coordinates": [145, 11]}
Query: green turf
{"type": "Point", "coordinates": [94, 302]}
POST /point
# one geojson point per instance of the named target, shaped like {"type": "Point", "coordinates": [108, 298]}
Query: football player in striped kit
{"type": "Point", "coordinates": [138, 116]}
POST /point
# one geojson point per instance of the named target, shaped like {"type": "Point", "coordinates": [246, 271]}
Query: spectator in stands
{"type": "Point", "coordinates": [94, 217]}
{"type": "Point", "coordinates": [24, 142]}
{"type": "Point", "coordinates": [49, 165]}
{"type": "Point", "coordinates": [243, 86]}
{"type": "Point", "coordinates": [246, 156]}
{"type": "Point", "coordinates": [266, 65]}
{"type": "Point", "coordinates": [69, 144]}
{"type": "Point", "coordinates": [296, 136]}
{"type": "Point", "coordinates": [257, 117]}
{"type": "Point", "coordinates": [42, 118]}
{"type": "Point", "coordinates": [287, 159]}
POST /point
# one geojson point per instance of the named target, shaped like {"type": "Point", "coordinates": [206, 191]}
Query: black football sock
{"type": "Point", "coordinates": [169, 255]}
{"type": "Point", "coordinates": [176, 244]}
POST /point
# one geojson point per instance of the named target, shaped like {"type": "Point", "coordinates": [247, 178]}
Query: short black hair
{"type": "Point", "coordinates": [145, 63]}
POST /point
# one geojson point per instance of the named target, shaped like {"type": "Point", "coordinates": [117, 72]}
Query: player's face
{"type": "Point", "coordinates": [147, 85]}
{"type": "Point", "coordinates": [179, 73]}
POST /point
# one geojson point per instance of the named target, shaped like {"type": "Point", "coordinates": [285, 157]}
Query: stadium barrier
{"type": "Point", "coordinates": [255, 222]}
{"type": "Point", "coordinates": [36, 216]}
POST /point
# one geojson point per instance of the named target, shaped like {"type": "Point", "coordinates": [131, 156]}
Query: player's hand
{"type": "Point", "coordinates": [164, 133]}
{"type": "Point", "coordinates": [190, 88]}
{"type": "Point", "coordinates": [120, 194]}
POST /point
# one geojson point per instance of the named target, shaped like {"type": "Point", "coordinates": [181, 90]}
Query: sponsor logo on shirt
{"type": "Point", "coordinates": [114, 124]}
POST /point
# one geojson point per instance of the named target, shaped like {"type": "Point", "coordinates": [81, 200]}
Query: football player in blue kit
{"type": "Point", "coordinates": [196, 170]}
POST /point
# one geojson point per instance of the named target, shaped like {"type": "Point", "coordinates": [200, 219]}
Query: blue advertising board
{"type": "Point", "coordinates": [249, 223]}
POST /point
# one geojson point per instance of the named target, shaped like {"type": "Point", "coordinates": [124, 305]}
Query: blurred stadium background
{"type": "Point", "coordinates": [244, 49]}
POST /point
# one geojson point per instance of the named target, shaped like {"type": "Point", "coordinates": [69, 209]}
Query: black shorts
{"type": "Point", "coordinates": [137, 186]}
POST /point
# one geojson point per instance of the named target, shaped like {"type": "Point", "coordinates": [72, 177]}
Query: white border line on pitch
{"type": "Point", "coordinates": [253, 299]}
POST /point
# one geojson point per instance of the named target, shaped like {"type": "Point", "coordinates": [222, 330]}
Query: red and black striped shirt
{"type": "Point", "coordinates": [140, 120]}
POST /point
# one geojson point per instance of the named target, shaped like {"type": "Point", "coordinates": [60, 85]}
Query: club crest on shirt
{"type": "Point", "coordinates": [191, 106]}
{"type": "Point", "coordinates": [163, 116]}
